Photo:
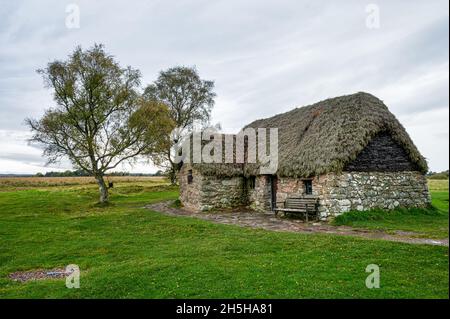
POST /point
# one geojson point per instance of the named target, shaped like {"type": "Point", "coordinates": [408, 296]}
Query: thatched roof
{"type": "Point", "coordinates": [325, 136]}
{"type": "Point", "coordinates": [223, 169]}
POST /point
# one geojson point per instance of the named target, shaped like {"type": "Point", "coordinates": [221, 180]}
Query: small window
{"type": "Point", "coordinates": [308, 187]}
{"type": "Point", "coordinates": [190, 178]}
{"type": "Point", "coordinates": [251, 182]}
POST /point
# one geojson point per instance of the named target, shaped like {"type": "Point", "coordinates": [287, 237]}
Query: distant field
{"type": "Point", "coordinates": [434, 184]}
{"type": "Point", "coordinates": [438, 184]}
{"type": "Point", "coordinates": [17, 183]}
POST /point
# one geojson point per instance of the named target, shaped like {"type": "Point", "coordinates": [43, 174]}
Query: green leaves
{"type": "Point", "coordinates": [92, 121]}
{"type": "Point", "coordinates": [189, 100]}
{"type": "Point", "coordinates": [188, 97]}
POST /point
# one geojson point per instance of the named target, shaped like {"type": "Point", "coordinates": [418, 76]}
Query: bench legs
{"type": "Point", "coordinates": [306, 214]}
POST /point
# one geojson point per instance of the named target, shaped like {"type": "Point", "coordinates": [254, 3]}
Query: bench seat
{"type": "Point", "coordinates": [306, 205]}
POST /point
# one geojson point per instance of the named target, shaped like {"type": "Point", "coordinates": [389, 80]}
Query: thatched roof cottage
{"type": "Point", "coordinates": [349, 152]}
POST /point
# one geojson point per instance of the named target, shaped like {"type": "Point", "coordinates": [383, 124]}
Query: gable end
{"type": "Point", "coordinates": [382, 154]}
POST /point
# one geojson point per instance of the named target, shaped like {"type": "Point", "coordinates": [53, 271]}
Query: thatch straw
{"type": "Point", "coordinates": [325, 136]}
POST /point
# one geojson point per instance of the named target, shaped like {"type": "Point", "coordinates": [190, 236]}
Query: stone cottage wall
{"type": "Point", "coordinates": [288, 186]}
{"type": "Point", "coordinates": [209, 192]}
{"type": "Point", "coordinates": [224, 192]}
{"type": "Point", "coordinates": [190, 194]}
{"type": "Point", "coordinates": [339, 193]}
{"type": "Point", "coordinates": [360, 191]}
{"type": "Point", "coordinates": [259, 197]}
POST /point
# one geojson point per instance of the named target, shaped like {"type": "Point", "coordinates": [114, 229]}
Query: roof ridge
{"type": "Point", "coordinates": [322, 137]}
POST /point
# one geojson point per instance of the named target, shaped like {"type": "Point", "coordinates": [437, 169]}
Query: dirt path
{"type": "Point", "coordinates": [270, 222]}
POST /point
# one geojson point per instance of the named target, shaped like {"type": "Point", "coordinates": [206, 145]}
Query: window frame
{"type": "Point", "coordinates": [308, 186]}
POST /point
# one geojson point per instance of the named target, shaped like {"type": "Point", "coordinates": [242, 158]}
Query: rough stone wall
{"type": "Point", "coordinates": [288, 186]}
{"type": "Point", "coordinates": [209, 192]}
{"type": "Point", "coordinates": [360, 191]}
{"type": "Point", "coordinates": [259, 198]}
{"type": "Point", "coordinates": [224, 192]}
{"type": "Point", "coordinates": [190, 194]}
{"type": "Point", "coordinates": [337, 193]}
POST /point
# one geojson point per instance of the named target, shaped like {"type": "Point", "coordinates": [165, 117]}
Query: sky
{"type": "Point", "coordinates": [266, 57]}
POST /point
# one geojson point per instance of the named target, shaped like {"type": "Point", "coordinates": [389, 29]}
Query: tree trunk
{"type": "Point", "coordinates": [103, 189]}
{"type": "Point", "coordinates": [173, 175]}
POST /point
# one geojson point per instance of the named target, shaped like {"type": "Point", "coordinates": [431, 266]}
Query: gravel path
{"type": "Point", "coordinates": [268, 221]}
{"type": "Point", "coordinates": [39, 274]}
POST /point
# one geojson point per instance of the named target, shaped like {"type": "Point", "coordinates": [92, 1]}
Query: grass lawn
{"type": "Point", "coordinates": [125, 251]}
{"type": "Point", "coordinates": [432, 223]}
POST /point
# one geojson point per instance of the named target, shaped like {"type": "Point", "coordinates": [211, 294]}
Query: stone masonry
{"type": "Point", "coordinates": [259, 197]}
{"type": "Point", "coordinates": [209, 192]}
{"type": "Point", "coordinates": [339, 193]}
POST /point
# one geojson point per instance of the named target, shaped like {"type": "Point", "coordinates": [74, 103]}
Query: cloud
{"type": "Point", "coordinates": [31, 159]}
{"type": "Point", "coordinates": [265, 57]}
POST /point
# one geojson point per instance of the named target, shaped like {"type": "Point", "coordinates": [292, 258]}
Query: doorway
{"type": "Point", "coordinates": [273, 181]}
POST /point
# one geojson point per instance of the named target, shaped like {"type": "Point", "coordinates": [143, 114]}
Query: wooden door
{"type": "Point", "coordinates": [273, 191]}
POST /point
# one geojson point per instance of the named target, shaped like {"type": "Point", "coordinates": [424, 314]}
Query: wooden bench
{"type": "Point", "coordinates": [306, 205]}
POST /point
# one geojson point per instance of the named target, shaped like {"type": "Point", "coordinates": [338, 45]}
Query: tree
{"type": "Point", "coordinates": [189, 99]}
{"type": "Point", "coordinates": [99, 120]}
{"type": "Point", "coordinates": [159, 173]}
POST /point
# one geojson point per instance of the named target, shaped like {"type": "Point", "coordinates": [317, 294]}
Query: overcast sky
{"type": "Point", "coordinates": [266, 57]}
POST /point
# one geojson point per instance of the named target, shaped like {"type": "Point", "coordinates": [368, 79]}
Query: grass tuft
{"type": "Point", "coordinates": [176, 204]}
{"type": "Point", "coordinates": [378, 214]}
{"type": "Point", "coordinates": [103, 205]}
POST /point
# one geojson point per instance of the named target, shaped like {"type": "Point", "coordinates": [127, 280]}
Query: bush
{"type": "Point", "coordinates": [176, 204]}
{"type": "Point", "coordinates": [441, 175]}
